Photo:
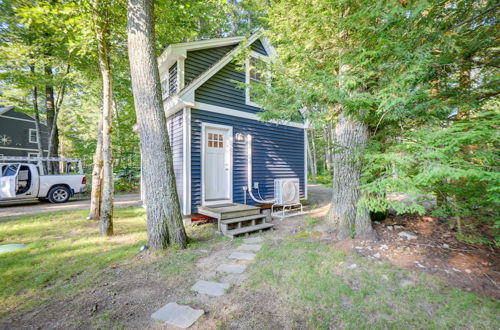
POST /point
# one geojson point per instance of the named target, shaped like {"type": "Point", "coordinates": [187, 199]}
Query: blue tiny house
{"type": "Point", "coordinates": [222, 152]}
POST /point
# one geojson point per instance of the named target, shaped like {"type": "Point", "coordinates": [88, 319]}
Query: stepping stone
{"type": "Point", "coordinates": [249, 247]}
{"type": "Point", "coordinates": [215, 289]}
{"type": "Point", "coordinates": [253, 240]}
{"type": "Point", "coordinates": [11, 247]}
{"type": "Point", "coordinates": [242, 256]}
{"type": "Point", "coordinates": [235, 269]}
{"type": "Point", "coordinates": [177, 315]}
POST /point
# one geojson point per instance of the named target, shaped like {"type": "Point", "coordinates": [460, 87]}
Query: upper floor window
{"type": "Point", "coordinates": [33, 135]}
{"type": "Point", "coordinates": [255, 71]}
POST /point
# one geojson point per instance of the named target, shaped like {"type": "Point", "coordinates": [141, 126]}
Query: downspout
{"type": "Point", "coordinates": [249, 173]}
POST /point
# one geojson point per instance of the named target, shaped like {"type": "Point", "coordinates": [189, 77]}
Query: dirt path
{"type": "Point", "coordinates": [21, 208]}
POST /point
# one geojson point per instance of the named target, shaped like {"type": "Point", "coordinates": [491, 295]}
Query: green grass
{"type": "Point", "coordinates": [314, 280]}
{"type": "Point", "coordinates": [65, 254]}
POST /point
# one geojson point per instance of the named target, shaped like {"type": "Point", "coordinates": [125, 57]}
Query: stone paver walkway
{"type": "Point", "coordinates": [242, 256]}
{"type": "Point", "coordinates": [234, 268]}
{"type": "Point", "coordinates": [178, 315]}
{"type": "Point", "coordinates": [249, 247]}
{"type": "Point", "coordinates": [215, 289]}
{"type": "Point", "coordinates": [251, 240]}
{"type": "Point", "coordinates": [184, 316]}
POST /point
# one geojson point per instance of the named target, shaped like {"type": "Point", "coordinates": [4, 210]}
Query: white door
{"type": "Point", "coordinates": [8, 180]}
{"type": "Point", "coordinates": [217, 165]}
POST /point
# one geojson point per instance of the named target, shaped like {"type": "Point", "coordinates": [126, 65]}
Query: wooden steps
{"type": "Point", "coordinates": [236, 219]}
{"type": "Point", "coordinates": [245, 230]}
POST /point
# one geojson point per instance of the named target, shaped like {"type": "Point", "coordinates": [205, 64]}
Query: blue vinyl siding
{"type": "Point", "coordinates": [176, 143]}
{"type": "Point", "coordinates": [18, 133]}
{"type": "Point", "coordinates": [222, 90]}
{"type": "Point", "coordinates": [278, 152]}
{"type": "Point", "coordinates": [198, 61]}
{"type": "Point", "coordinates": [172, 79]}
{"type": "Point", "coordinates": [258, 47]}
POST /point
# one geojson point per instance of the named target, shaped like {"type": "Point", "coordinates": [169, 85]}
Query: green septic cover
{"type": "Point", "coordinates": [11, 247]}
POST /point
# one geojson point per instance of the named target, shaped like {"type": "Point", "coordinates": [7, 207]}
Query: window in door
{"type": "Point", "coordinates": [215, 140]}
{"type": "Point", "coordinates": [9, 170]}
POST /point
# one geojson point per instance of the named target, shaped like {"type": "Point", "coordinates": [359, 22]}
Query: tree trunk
{"type": "Point", "coordinates": [53, 144]}
{"type": "Point", "coordinates": [37, 116]}
{"type": "Point", "coordinates": [327, 148]}
{"type": "Point", "coordinates": [346, 218]}
{"type": "Point", "coordinates": [102, 34]}
{"type": "Point", "coordinates": [311, 160]}
{"type": "Point", "coordinates": [314, 153]}
{"type": "Point", "coordinates": [95, 194]}
{"type": "Point", "coordinates": [164, 219]}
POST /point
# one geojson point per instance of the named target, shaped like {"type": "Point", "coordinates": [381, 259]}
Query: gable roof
{"type": "Point", "coordinates": [5, 109]}
{"type": "Point", "coordinates": [185, 96]}
{"type": "Point", "coordinates": [174, 51]}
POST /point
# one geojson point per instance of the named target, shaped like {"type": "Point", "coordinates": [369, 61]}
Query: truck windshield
{"type": "Point", "coordinates": [9, 170]}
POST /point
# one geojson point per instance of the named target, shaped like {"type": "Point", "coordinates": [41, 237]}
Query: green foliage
{"type": "Point", "coordinates": [61, 35]}
{"type": "Point", "coordinates": [403, 67]}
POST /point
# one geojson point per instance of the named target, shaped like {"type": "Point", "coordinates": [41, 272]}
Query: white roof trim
{"type": "Point", "coordinates": [175, 51]}
{"type": "Point", "coordinates": [243, 114]}
{"type": "Point", "coordinates": [208, 43]}
{"type": "Point", "coordinates": [174, 104]}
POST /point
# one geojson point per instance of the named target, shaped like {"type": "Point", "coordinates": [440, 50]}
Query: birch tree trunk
{"type": "Point", "coordinates": [311, 160]}
{"type": "Point", "coordinates": [327, 148]}
{"type": "Point", "coordinates": [53, 143]}
{"type": "Point", "coordinates": [164, 219]}
{"type": "Point", "coordinates": [346, 217]}
{"type": "Point", "coordinates": [95, 194]}
{"type": "Point", "coordinates": [37, 117]}
{"type": "Point", "coordinates": [314, 153]}
{"type": "Point", "coordinates": [102, 34]}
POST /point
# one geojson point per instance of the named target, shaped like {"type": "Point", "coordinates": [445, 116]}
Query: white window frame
{"type": "Point", "coordinates": [247, 75]}
{"type": "Point", "coordinates": [29, 135]}
{"type": "Point", "coordinates": [33, 154]}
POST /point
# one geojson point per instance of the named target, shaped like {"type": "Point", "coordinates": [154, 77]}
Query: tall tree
{"type": "Point", "coordinates": [101, 18]}
{"type": "Point", "coordinates": [386, 70]}
{"type": "Point", "coordinates": [164, 219]}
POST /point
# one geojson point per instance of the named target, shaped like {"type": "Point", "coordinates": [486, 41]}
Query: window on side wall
{"type": "Point", "coordinates": [255, 72]}
{"type": "Point", "coordinates": [33, 135]}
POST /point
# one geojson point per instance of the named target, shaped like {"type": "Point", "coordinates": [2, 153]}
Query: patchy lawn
{"type": "Point", "coordinates": [70, 278]}
{"type": "Point", "coordinates": [65, 255]}
{"type": "Point", "coordinates": [311, 284]}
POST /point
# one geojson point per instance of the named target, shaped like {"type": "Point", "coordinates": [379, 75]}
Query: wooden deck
{"type": "Point", "coordinates": [236, 219]}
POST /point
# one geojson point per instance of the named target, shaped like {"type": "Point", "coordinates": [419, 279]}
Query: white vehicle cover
{"type": "Point", "coordinates": [8, 181]}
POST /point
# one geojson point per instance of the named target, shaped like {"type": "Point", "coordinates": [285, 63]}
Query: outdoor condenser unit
{"type": "Point", "coordinates": [286, 191]}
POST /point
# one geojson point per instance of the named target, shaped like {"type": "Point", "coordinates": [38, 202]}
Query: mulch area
{"type": "Point", "coordinates": [435, 250]}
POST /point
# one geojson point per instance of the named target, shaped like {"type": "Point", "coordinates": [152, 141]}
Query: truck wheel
{"type": "Point", "coordinates": [58, 194]}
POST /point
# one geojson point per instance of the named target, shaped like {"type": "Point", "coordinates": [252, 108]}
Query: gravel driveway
{"type": "Point", "coordinates": [21, 208]}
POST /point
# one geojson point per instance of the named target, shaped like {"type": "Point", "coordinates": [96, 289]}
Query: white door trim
{"type": "Point", "coordinates": [229, 149]}
{"type": "Point", "coordinates": [186, 130]}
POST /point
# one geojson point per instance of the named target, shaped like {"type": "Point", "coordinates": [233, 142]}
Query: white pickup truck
{"type": "Point", "coordinates": [23, 178]}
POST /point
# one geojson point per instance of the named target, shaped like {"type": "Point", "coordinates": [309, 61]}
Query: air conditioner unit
{"type": "Point", "coordinates": [286, 191]}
